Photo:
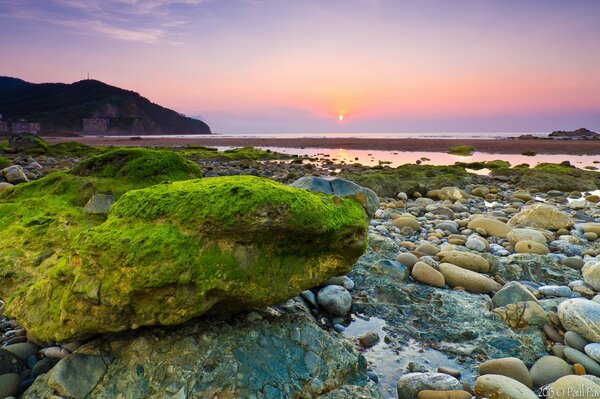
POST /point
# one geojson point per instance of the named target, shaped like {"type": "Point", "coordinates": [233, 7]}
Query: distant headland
{"type": "Point", "coordinates": [87, 107]}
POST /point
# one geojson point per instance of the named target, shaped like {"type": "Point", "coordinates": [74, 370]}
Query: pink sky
{"type": "Point", "coordinates": [283, 65]}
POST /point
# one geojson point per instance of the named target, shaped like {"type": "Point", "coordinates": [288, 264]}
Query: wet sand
{"type": "Point", "coordinates": [505, 146]}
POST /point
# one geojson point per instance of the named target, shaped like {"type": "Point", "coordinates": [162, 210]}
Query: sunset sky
{"type": "Point", "coordinates": [295, 65]}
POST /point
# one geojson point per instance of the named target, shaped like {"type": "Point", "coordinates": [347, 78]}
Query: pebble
{"type": "Point", "coordinates": [466, 260]}
{"type": "Point", "coordinates": [575, 340]}
{"type": "Point", "coordinates": [591, 274]}
{"type": "Point", "coordinates": [476, 244]}
{"type": "Point", "coordinates": [369, 339]}
{"type": "Point", "coordinates": [426, 274]}
{"type": "Point", "coordinates": [407, 259]}
{"type": "Point", "coordinates": [593, 351]}
{"type": "Point", "coordinates": [499, 386]}
{"type": "Point", "coordinates": [492, 227]}
{"type": "Point", "coordinates": [556, 290]}
{"type": "Point", "coordinates": [55, 352]}
{"type": "Point", "coordinates": [429, 394]}
{"type": "Point", "coordinates": [471, 281]}
{"type": "Point", "coordinates": [572, 262]}
{"type": "Point", "coordinates": [531, 247]}
{"type": "Point", "coordinates": [426, 248]}
{"type": "Point", "coordinates": [548, 369]}
{"type": "Point", "coordinates": [582, 316]}
{"type": "Point", "coordinates": [335, 300]}
{"type": "Point", "coordinates": [573, 386]}
{"type": "Point", "coordinates": [9, 385]}
{"type": "Point", "coordinates": [411, 384]}
{"type": "Point", "coordinates": [516, 235]}
{"type": "Point", "coordinates": [511, 367]}
{"type": "Point", "coordinates": [575, 356]}
{"type": "Point", "coordinates": [391, 268]}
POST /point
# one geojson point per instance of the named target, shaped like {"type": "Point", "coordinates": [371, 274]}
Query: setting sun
{"type": "Point", "coordinates": [341, 117]}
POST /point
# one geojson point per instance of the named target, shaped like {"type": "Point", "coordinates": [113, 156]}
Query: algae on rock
{"type": "Point", "coordinates": [172, 251]}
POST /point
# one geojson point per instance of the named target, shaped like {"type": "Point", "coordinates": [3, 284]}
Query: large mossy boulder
{"type": "Point", "coordinates": [178, 250]}
{"type": "Point", "coordinates": [277, 353]}
{"type": "Point", "coordinates": [25, 142]}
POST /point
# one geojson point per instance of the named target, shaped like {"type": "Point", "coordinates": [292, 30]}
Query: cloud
{"type": "Point", "coordinates": [142, 21]}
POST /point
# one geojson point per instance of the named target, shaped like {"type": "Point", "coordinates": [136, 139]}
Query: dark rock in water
{"type": "Point", "coordinates": [23, 141]}
{"type": "Point", "coordinates": [284, 354]}
{"type": "Point", "coordinates": [9, 385]}
{"type": "Point", "coordinates": [581, 133]}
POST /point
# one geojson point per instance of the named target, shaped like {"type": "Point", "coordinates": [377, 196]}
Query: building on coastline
{"type": "Point", "coordinates": [95, 125]}
{"type": "Point", "coordinates": [19, 127]}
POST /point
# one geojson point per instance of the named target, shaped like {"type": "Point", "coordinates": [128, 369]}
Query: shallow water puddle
{"type": "Point", "coordinates": [390, 365]}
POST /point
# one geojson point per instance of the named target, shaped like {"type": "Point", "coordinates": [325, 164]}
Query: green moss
{"type": "Point", "coordinates": [166, 253]}
{"type": "Point", "coordinates": [4, 162]}
{"type": "Point", "coordinates": [495, 164]}
{"type": "Point", "coordinates": [251, 153]}
{"type": "Point", "coordinates": [138, 165]}
{"type": "Point", "coordinates": [462, 150]}
{"type": "Point", "coordinates": [407, 178]}
{"type": "Point", "coordinates": [547, 176]}
{"type": "Point", "coordinates": [74, 149]}
{"type": "Point", "coordinates": [529, 153]}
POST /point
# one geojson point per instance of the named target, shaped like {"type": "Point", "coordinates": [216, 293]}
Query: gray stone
{"type": "Point", "coordinates": [283, 355]}
{"type": "Point", "coordinates": [14, 174]}
{"type": "Point", "coordinates": [549, 369]}
{"type": "Point", "coordinates": [335, 300]}
{"type": "Point", "coordinates": [10, 363]}
{"type": "Point", "coordinates": [512, 292]}
{"type": "Point", "coordinates": [411, 384]}
{"type": "Point", "coordinates": [75, 376]}
{"type": "Point", "coordinates": [341, 188]}
{"type": "Point", "coordinates": [475, 244]}
{"type": "Point", "coordinates": [575, 340]}
{"type": "Point", "coordinates": [310, 297]}
{"type": "Point", "coordinates": [582, 316]}
{"type": "Point", "coordinates": [391, 268]}
{"type": "Point", "coordinates": [9, 385]}
{"type": "Point", "coordinates": [501, 387]}
{"type": "Point", "coordinates": [24, 349]}
{"type": "Point", "coordinates": [591, 274]}
{"type": "Point", "coordinates": [575, 356]}
{"type": "Point", "coordinates": [593, 351]}
{"type": "Point", "coordinates": [556, 290]}
{"type": "Point", "coordinates": [99, 204]}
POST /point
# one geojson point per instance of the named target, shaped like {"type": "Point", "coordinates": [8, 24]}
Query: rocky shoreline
{"type": "Point", "coordinates": [469, 286]}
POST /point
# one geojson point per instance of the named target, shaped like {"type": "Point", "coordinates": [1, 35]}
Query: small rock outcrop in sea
{"type": "Point", "coordinates": [581, 133]}
{"type": "Point", "coordinates": [276, 353]}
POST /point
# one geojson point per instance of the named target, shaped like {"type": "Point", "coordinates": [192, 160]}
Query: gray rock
{"type": "Point", "coordinates": [99, 204]}
{"type": "Point", "coordinates": [593, 351]}
{"type": "Point", "coordinates": [582, 316]}
{"type": "Point", "coordinates": [10, 363]}
{"type": "Point", "coordinates": [335, 300]}
{"type": "Point", "coordinates": [575, 356]}
{"type": "Point", "coordinates": [75, 376]}
{"type": "Point", "coordinates": [9, 385]}
{"type": "Point", "coordinates": [575, 340]}
{"type": "Point", "coordinates": [14, 174]}
{"type": "Point", "coordinates": [591, 274]}
{"type": "Point", "coordinates": [23, 350]}
{"type": "Point", "coordinates": [391, 268]}
{"type": "Point", "coordinates": [512, 292]}
{"type": "Point", "coordinates": [549, 369]}
{"type": "Point", "coordinates": [411, 384]}
{"type": "Point", "coordinates": [341, 188]}
{"type": "Point", "coordinates": [310, 297]}
{"type": "Point", "coordinates": [556, 290]}
{"type": "Point", "coordinates": [283, 355]}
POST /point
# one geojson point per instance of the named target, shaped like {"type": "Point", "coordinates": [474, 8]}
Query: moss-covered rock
{"type": "Point", "coordinates": [546, 176]}
{"type": "Point", "coordinates": [174, 251]}
{"type": "Point", "coordinates": [27, 143]}
{"type": "Point", "coordinates": [4, 162]}
{"type": "Point", "coordinates": [407, 178]}
{"type": "Point", "coordinates": [462, 150]}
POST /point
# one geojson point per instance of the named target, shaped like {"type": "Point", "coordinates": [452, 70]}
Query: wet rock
{"type": "Point", "coordinates": [573, 386]}
{"type": "Point", "coordinates": [411, 384]}
{"type": "Point", "coordinates": [492, 227]}
{"type": "Point", "coordinates": [466, 260]}
{"type": "Point", "coordinates": [14, 174]}
{"type": "Point", "coordinates": [541, 216]}
{"type": "Point", "coordinates": [512, 292]}
{"type": "Point", "coordinates": [426, 274]}
{"type": "Point", "coordinates": [75, 376]}
{"type": "Point", "coordinates": [575, 340]}
{"type": "Point", "coordinates": [391, 268]}
{"type": "Point", "coordinates": [285, 354]}
{"type": "Point", "coordinates": [523, 314]}
{"type": "Point", "coordinates": [499, 386]}
{"type": "Point", "coordinates": [549, 369]}
{"type": "Point", "coordinates": [335, 300]}
{"type": "Point", "coordinates": [582, 316]}
{"type": "Point", "coordinates": [471, 281]}
{"type": "Point", "coordinates": [511, 367]}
